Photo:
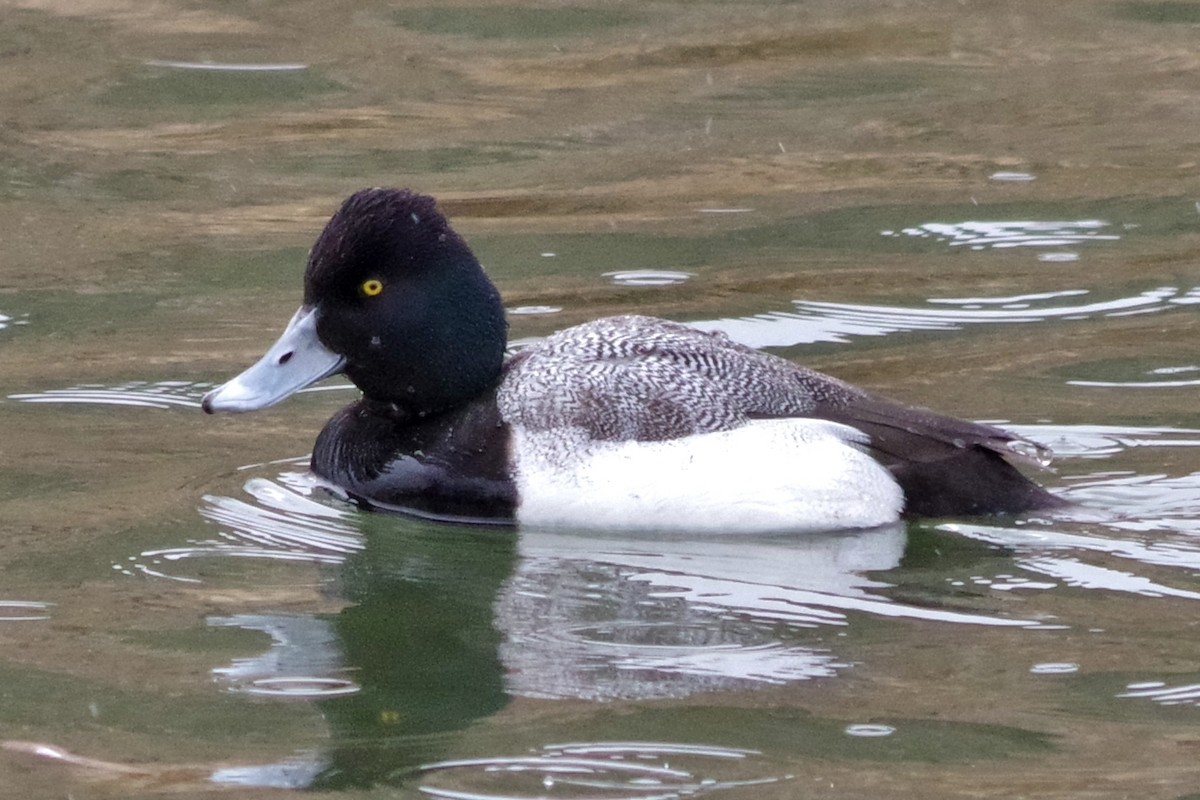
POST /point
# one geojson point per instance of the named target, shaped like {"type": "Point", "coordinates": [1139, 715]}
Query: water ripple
{"type": "Point", "coordinates": [641, 770]}
{"type": "Point", "coordinates": [301, 687]}
{"type": "Point", "coordinates": [1129, 501]}
{"type": "Point", "coordinates": [1143, 520]}
{"type": "Point", "coordinates": [869, 730]}
{"type": "Point", "coordinates": [1104, 441]}
{"type": "Point", "coordinates": [624, 617]}
{"type": "Point", "coordinates": [292, 773]}
{"type": "Point", "coordinates": [1164, 383]}
{"type": "Point", "coordinates": [1041, 543]}
{"type": "Point", "coordinates": [304, 660]}
{"type": "Point", "coordinates": [1077, 573]}
{"type": "Point", "coordinates": [1019, 177]}
{"type": "Point", "coordinates": [281, 522]}
{"type": "Point", "coordinates": [6, 321]}
{"type": "Point", "coordinates": [982, 234]}
{"type": "Point", "coordinates": [24, 610]}
{"type": "Point", "coordinates": [1161, 693]}
{"type": "Point", "coordinates": [814, 321]}
{"type": "Point", "coordinates": [1055, 668]}
{"type": "Point", "coordinates": [144, 394]}
{"type": "Point", "coordinates": [534, 310]}
{"type": "Point", "coordinates": [213, 66]}
{"type": "Point", "coordinates": [648, 277]}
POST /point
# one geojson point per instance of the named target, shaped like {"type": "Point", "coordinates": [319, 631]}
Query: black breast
{"type": "Point", "coordinates": [453, 465]}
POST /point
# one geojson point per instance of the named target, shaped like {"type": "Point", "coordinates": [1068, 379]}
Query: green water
{"type": "Point", "coordinates": [990, 210]}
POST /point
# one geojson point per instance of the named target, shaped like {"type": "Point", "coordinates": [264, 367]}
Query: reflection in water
{"type": "Point", "coordinates": [294, 773]}
{"type": "Point", "coordinates": [982, 234]}
{"type": "Point", "coordinates": [1141, 502]}
{"type": "Point", "coordinates": [24, 610]}
{"type": "Point", "coordinates": [285, 522]}
{"type": "Point", "coordinates": [1172, 382]}
{"type": "Point", "coordinates": [1019, 177]}
{"type": "Point", "coordinates": [226, 67]}
{"type": "Point", "coordinates": [1055, 668]}
{"type": "Point", "coordinates": [162, 394]}
{"type": "Point", "coordinates": [281, 523]}
{"type": "Point", "coordinates": [622, 617]}
{"type": "Point", "coordinates": [141, 394]}
{"type": "Point", "coordinates": [445, 625]}
{"type": "Point", "coordinates": [869, 731]}
{"type": "Point", "coordinates": [1161, 693]}
{"type": "Point", "coordinates": [1122, 502]}
{"type": "Point", "coordinates": [304, 659]}
{"type": "Point", "coordinates": [834, 322]}
{"type": "Point", "coordinates": [1106, 441]}
{"type": "Point", "coordinates": [534, 310]}
{"type": "Point", "coordinates": [812, 322]}
{"type": "Point", "coordinates": [648, 277]}
{"type": "Point", "coordinates": [1076, 573]}
{"type": "Point", "coordinates": [6, 320]}
{"type": "Point", "coordinates": [301, 687]}
{"type": "Point", "coordinates": [136, 189]}
{"type": "Point", "coordinates": [599, 770]}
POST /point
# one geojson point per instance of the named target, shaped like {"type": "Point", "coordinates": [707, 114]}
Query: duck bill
{"type": "Point", "coordinates": [296, 360]}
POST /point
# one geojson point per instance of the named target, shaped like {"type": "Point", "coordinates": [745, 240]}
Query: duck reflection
{"type": "Point", "coordinates": [444, 625]}
{"type": "Point", "coordinates": [641, 618]}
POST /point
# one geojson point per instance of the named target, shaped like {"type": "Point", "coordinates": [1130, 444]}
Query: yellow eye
{"type": "Point", "coordinates": [371, 287]}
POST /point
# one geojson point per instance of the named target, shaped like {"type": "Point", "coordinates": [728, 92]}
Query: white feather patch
{"type": "Point", "coordinates": [770, 475]}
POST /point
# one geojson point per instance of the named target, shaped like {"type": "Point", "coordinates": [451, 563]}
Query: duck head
{"type": "Point", "coordinates": [395, 300]}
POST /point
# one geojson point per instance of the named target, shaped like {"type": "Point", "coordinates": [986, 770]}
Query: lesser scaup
{"type": "Point", "coordinates": [625, 422]}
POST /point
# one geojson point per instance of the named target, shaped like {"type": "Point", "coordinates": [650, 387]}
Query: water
{"type": "Point", "coordinates": [990, 211]}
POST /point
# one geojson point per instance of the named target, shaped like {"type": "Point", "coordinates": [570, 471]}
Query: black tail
{"type": "Point", "coordinates": [946, 466]}
{"type": "Point", "coordinates": [974, 481]}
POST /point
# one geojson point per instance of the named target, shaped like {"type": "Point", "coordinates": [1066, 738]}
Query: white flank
{"type": "Point", "coordinates": [772, 475]}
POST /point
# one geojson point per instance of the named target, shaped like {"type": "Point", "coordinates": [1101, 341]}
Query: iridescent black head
{"type": "Point", "coordinates": [401, 297]}
{"type": "Point", "coordinates": [395, 300]}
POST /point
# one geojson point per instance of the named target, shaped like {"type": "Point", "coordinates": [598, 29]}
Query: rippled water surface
{"type": "Point", "coordinates": [990, 209]}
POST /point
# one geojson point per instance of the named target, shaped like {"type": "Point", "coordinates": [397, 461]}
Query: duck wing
{"type": "Point", "coordinates": [646, 379]}
{"type": "Point", "coordinates": [947, 466]}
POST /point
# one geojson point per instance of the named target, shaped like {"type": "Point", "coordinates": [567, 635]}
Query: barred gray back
{"type": "Point", "coordinates": [645, 379]}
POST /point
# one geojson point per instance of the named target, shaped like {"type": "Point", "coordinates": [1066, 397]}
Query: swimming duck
{"type": "Point", "coordinates": [626, 422]}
